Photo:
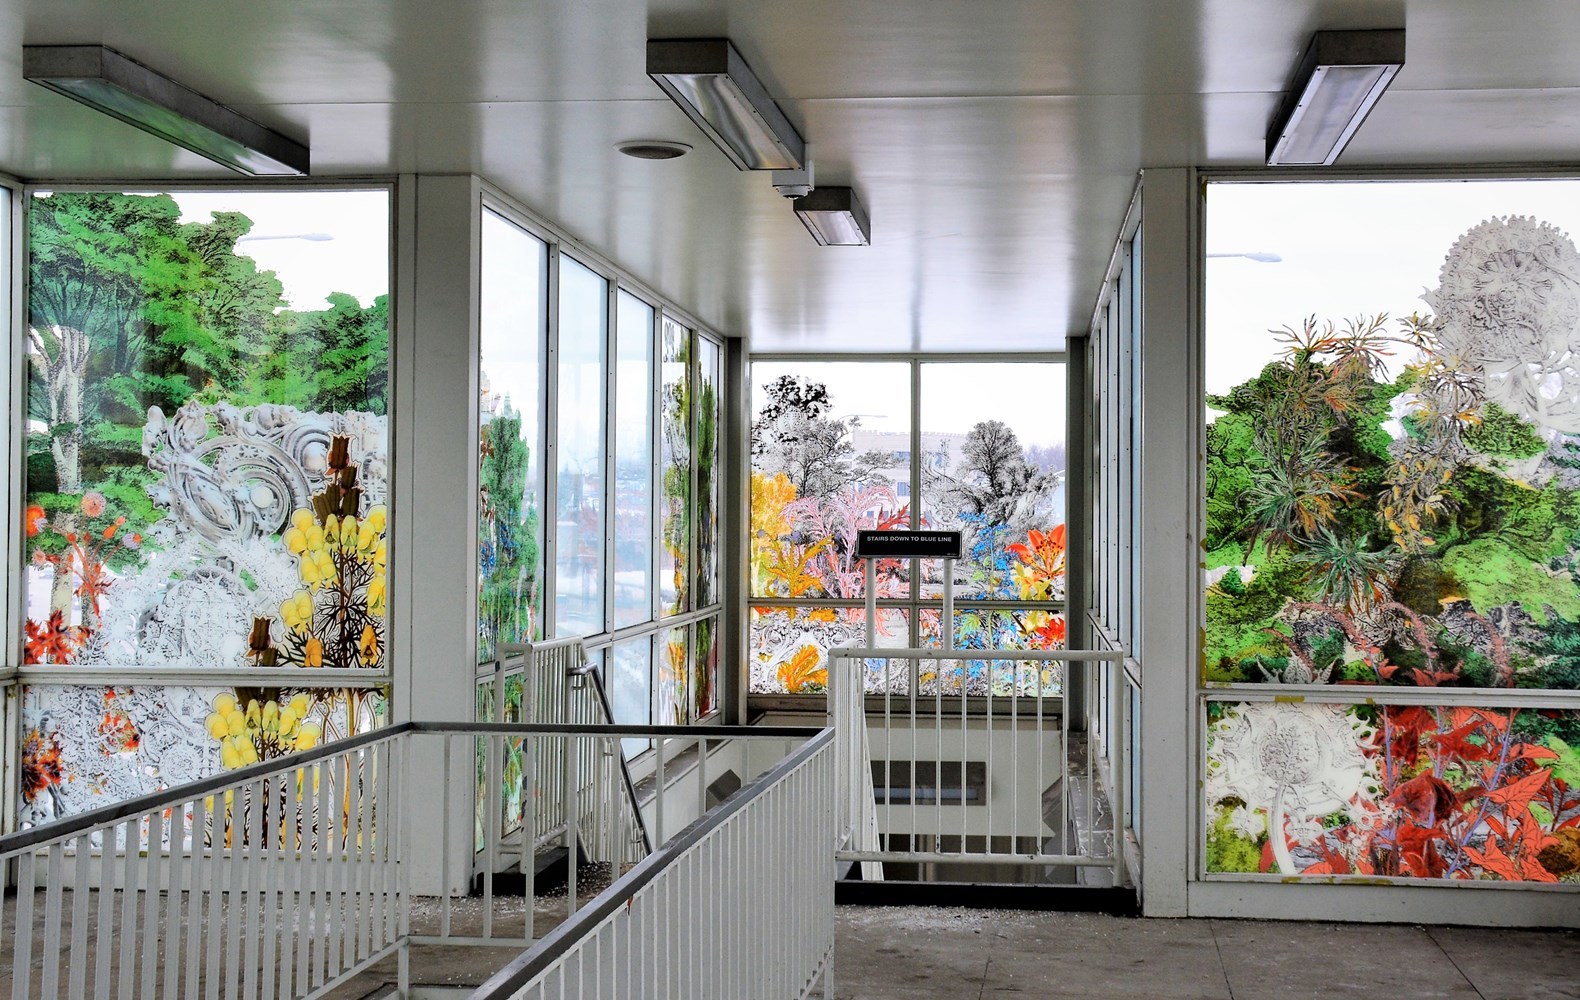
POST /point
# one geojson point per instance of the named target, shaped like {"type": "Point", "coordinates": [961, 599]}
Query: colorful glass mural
{"type": "Point", "coordinates": [207, 454]}
{"type": "Point", "coordinates": [513, 318]}
{"type": "Point", "coordinates": [991, 465]}
{"type": "Point", "coordinates": [86, 746]}
{"type": "Point", "coordinates": [710, 372]}
{"type": "Point", "coordinates": [789, 647]}
{"type": "Point", "coordinates": [674, 464]}
{"type": "Point", "coordinates": [983, 628]}
{"type": "Point", "coordinates": [996, 474]}
{"type": "Point", "coordinates": [1403, 791]}
{"type": "Point", "coordinates": [1395, 499]}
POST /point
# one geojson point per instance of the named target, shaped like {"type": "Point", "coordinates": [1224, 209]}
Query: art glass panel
{"type": "Point", "coordinates": [86, 746]}
{"type": "Point", "coordinates": [1392, 494]}
{"type": "Point", "coordinates": [831, 454]}
{"type": "Point", "coordinates": [207, 442]}
{"type": "Point", "coordinates": [674, 462]}
{"type": "Point", "coordinates": [710, 372]}
{"type": "Point", "coordinates": [789, 647]}
{"type": "Point", "coordinates": [983, 628]}
{"type": "Point", "coordinates": [675, 677]}
{"type": "Point", "coordinates": [993, 459]}
{"type": "Point", "coordinates": [1403, 791]}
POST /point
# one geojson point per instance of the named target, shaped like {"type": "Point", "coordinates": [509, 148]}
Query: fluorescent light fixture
{"type": "Point", "coordinates": [712, 84]}
{"type": "Point", "coordinates": [123, 88]}
{"type": "Point", "coordinates": [1339, 79]}
{"type": "Point", "coordinates": [835, 217]}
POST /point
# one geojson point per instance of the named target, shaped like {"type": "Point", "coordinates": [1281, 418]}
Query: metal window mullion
{"type": "Point", "coordinates": [694, 454]}
{"type": "Point", "coordinates": [914, 627]}
{"type": "Point", "coordinates": [611, 363]}
{"type": "Point", "coordinates": [551, 449]}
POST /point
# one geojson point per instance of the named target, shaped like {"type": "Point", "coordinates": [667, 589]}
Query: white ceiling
{"type": "Point", "coordinates": [994, 142]}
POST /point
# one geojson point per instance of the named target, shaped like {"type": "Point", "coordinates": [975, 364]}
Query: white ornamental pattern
{"type": "Point", "coordinates": [1508, 309]}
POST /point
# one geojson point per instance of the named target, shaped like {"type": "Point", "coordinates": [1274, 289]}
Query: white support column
{"type": "Point", "coordinates": [434, 612]}
{"type": "Point", "coordinates": [1169, 401]}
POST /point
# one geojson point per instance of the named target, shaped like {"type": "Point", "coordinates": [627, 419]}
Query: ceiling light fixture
{"type": "Point", "coordinates": [653, 149]}
{"type": "Point", "coordinates": [1339, 79]}
{"type": "Point", "coordinates": [123, 88]}
{"type": "Point", "coordinates": [835, 217]}
{"type": "Point", "coordinates": [712, 84]}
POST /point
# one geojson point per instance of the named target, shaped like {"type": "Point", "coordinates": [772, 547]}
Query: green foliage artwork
{"type": "Point", "coordinates": [206, 487]}
{"type": "Point", "coordinates": [1397, 503]}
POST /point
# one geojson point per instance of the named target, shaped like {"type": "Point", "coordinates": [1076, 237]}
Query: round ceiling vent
{"type": "Point", "coordinates": [653, 149]}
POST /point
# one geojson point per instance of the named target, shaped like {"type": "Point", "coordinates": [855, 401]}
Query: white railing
{"type": "Point", "coordinates": [278, 880]}
{"type": "Point", "coordinates": [741, 904]}
{"type": "Point", "coordinates": [972, 750]}
{"type": "Point", "coordinates": [856, 815]}
{"type": "Point", "coordinates": [557, 686]}
{"type": "Point", "coordinates": [292, 876]}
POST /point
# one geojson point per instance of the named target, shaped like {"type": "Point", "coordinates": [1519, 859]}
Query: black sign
{"type": "Point", "coordinates": [908, 544]}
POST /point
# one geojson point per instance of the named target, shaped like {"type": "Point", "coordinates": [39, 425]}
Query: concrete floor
{"type": "Point", "coordinates": [949, 954]}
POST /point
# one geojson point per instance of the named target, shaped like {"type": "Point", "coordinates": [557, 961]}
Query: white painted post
{"type": "Point", "coordinates": [433, 615]}
{"type": "Point", "coordinates": [1170, 409]}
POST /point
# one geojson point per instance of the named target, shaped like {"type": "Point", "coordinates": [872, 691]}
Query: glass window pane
{"type": "Point", "coordinates": [675, 463]}
{"type": "Point", "coordinates": [579, 525]}
{"type": "Point", "coordinates": [514, 313]}
{"type": "Point", "coordinates": [789, 647]}
{"type": "Point", "coordinates": [674, 678]}
{"type": "Point", "coordinates": [831, 453]}
{"type": "Point", "coordinates": [631, 688]}
{"type": "Point", "coordinates": [992, 441]}
{"type": "Point", "coordinates": [983, 628]}
{"type": "Point", "coordinates": [1404, 791]}
{"type": "Point", "coordinates": [1393, 434]}
{"type": "Point", "coordinates": [710, 367]}
{"type": "Point", "coordinates": [207, 445]}
{"type": "Point", "coordinates": [633, 457]}
{"type": "Point", "coordinates": [705, 678]}
{"type": "Point", "coordinates": [86, 746]}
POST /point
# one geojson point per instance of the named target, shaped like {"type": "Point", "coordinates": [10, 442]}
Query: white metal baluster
{"type": "Point", "coordinates": [572, 818]}
{"type": "Point", "coordinates": [175, 931]}
{"type": "Point", "coordinates": [270, 847]}
{"type": "Point", "coordinates": [965, 715]}
{"type": "Point", "coordinates": [128, 928]}
{"type": "Point", "coordinates": [321, 874]}
{"type": "Point", "coordinates": [989, 733]}
{"type": "Point", "coordinates": [351, 806]}
{"type": "Point", "coordinates": [1089, 672]}
{"type": "Point", "coordinates": [104, 925]}
{"type": "Point", "coordinates": [252, 910]}
{"type": "Point", "coordinates": [219, 823]}
{"type": "Point", "coordinates": [658, 798]}
{"type": "Point", "coordinates": [81, 879]}
{"type": "Point", "coordinates": [916, 685]}
{"type": "Point", "coordinates": [367, 791]}
{"type": "Point", "coordinates": [339, 916]}
{"type": "Point", "coordinates": [277, 943]}
{"type": "Point", "coordinates": [235, 900]}
{"type": "Point", "coordinates": [493, 827]}
{"type": "Point", "coordinates": [154, 823]}
{"type": "Point", "coordinates": [22, 954]}
{"type": "Point", "coordinates": [1014, 759]}
{"type": "Point", "coordinates": [301, 855]}
{"type": "Point", "coordinates": [1067, 821]}
{"type": "Point", "coordinates": [195, 898]}
{"type": "Point", "coordinates": [54, 874]}
{"type": "Point", "coordinates": [529, 863]}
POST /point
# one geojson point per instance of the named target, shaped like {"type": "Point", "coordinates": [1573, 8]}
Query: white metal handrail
{"type": "Point", "coordinates": [938, 723]}
{"type": "Point", "coordinates": [280, 879]}
{"type": "Point", "coordinates": [739, 905]}
{"type": "Point", "coordinates": [289, 877]}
